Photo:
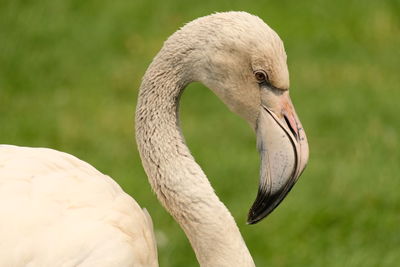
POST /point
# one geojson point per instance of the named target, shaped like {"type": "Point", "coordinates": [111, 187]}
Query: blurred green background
{"type": "Point", "coordinates": [69, 74]}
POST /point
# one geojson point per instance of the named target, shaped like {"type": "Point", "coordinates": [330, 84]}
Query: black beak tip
{"type": "Point", "coordinates": [256, 215]}
{"type": "Point", "coordinates": [265, 203]}
{"type": "Point", "coordinates": [252, 220]}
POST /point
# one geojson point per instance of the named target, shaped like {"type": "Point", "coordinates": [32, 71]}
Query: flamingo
{"type": "Point", "coordinates": [57, 210]}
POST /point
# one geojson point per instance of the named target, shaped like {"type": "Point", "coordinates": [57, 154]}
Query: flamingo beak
{"type": "Point", "coordinates": [283, 148]}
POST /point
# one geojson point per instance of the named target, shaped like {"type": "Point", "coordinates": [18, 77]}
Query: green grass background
{"type": "Point", "coordinates": [69, 74]}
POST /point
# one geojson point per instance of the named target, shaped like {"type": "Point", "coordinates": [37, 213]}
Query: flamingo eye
{"type": "Point", "coordinates": [260, 76]}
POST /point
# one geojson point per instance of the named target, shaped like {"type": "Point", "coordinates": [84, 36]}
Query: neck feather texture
{"type": "Point", "coordinates": [180, 184]}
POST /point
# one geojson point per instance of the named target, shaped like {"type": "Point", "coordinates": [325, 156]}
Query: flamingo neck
{"type": "Point", "coordinates": [178, 181]}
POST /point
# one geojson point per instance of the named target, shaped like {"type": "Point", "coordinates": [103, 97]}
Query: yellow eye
{"type": "Point", "coordinates": [261, 76]}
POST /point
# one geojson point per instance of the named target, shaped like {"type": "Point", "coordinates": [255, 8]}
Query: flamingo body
{"type": "Point", "coordinates": [58, 209]}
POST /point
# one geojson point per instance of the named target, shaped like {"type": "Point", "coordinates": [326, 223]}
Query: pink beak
{"type": "Point", "coordinates": [283, 148]}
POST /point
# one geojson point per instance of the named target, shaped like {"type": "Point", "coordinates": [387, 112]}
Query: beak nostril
{"type": "Point", "coordinates": [294, 132]}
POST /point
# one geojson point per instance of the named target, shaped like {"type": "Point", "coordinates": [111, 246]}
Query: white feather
{"type": "Point", "coordinates": [57, 210]}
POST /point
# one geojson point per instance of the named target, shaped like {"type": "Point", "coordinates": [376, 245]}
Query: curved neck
{"type": "Point", "coordinates": [180, 184]}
